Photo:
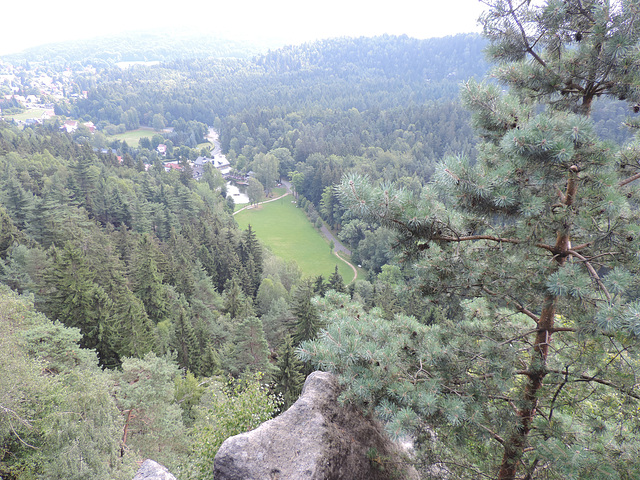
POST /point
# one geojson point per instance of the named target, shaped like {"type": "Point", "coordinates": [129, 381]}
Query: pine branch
{"type": "Point", "coordinates": [629, 180]}
{"type": "Point", "coordinates": [581, 247]}
{"type": "Point", "coordinates": [520, 308]}
{"type": "Point", "coordinates": [585, 12]}
{"type": "Point", "coordinates": [525, 41]}
{"type": "Point", "coordinates": [558, 390]}
{"type": "Point", "coordinates": [505, 399]}
{"type": "Point", "coordinates": [518, 337]}
{"type": "Point", "coordinates": [495, 436]}
{"type": "Point", "coordinates": [592, 378]}
{"type": "Point", "coordinates": [476, 237]}
{"type": "Point", "coordinates": [592, 271]}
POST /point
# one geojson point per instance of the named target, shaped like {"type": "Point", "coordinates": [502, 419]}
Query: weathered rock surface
{"type": "Point", "coordinates": [316, 439]}
{"type": "Point", "coordinates": [150, 470]}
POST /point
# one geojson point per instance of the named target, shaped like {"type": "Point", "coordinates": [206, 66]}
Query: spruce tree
{"type": "Point", "coordinates": [9, 233]}
{"type": "Point", "coordinates": [252, 350]}
{"type": "Point", "coordinates": [17, 201]}
{"type": "Point", "coordinates": [77, 300]}
{"type": "Point", "coordinates": [307, 323]}
{"type": "Point", "coordinates": [147, 279]}
{"type": "Point", "coordinates": [185, 342]}
{"type": "Point", "coordinates": [288, 378]}
{"type": "Point", "coordinates": [336, 282]}
{"type": "Point", "coordinates": [235, 302]}
{"type": "Point", "coordinates": [319, 286]}
{"type": "Point", "coordinates": [251, 259]}
{"type": "Point", "coordinates": [536, 242]}
{"type": "Point", "coordinates": [130, 331]}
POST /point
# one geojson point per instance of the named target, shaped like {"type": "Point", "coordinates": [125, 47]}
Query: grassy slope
{"type": "Point", "coordinates": [286, 230]}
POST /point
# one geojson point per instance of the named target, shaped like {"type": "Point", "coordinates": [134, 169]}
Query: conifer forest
{"type": "Point", "coordinates": [487, 186]}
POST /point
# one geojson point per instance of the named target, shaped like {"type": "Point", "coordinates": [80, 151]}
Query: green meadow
{"type": "Point", "coordinates": [27, 114]}
{"type": "Point", "coordinates": [288, 233]}
{"type": "Point", "coordinates": [132, 137]}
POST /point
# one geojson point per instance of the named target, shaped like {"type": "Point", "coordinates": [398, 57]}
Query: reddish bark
{"type": "Point", "coordinates": [515, 444]}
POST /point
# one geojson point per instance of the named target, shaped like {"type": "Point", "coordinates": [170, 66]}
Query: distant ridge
{"type": "Point", "coordinates": [136, 47]}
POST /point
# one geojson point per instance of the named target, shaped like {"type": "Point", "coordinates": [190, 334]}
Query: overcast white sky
{"type": "Point", "coordinates": [35, 22]}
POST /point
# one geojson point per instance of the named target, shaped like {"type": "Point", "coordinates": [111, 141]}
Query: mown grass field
{"type": "Point", "coordinates": [27, 114]}
{"type": "Point", "coordinates": [286, 230]}
{"type": "Point", "coordinates": [132, 137]}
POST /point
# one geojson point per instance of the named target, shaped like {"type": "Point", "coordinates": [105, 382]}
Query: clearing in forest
{"type": "Point", "coordinates": [288, 233]}
{"type": "Point", "coordinates": [132, 137]}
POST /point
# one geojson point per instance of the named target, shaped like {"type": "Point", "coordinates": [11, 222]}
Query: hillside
{"type": "Point", "coordinates": [118, 243]}
{"type": "Point", "coordinates": [142, 46]}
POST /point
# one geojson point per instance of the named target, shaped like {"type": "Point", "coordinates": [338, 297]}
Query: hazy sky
{"type": "Point", "coordinates": [26, 24]}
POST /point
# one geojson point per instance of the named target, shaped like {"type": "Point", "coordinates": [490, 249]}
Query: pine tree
{"type": "Point", "coordinates": [153, 419]}
{"type": "Point", "coordinates": [536, 242]}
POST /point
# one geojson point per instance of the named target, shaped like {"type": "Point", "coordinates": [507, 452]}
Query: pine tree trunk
{"type": "Point", "coordinates": [514, 446]}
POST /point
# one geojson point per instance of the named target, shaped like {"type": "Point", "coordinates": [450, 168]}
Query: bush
{"type": "Point", "coordinates": [237, 407]}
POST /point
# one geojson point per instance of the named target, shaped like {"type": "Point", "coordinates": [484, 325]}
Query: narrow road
{"type": "Point", "coordinates": [338, 247]}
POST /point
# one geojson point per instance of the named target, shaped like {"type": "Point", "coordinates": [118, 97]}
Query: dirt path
{"type": "Point", "coordinates": [266, 201]}
{"type": "Point", "coordinates": [355, 272]}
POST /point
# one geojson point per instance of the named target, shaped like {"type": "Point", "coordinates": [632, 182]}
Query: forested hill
{"type": "Point", "coordinates": [434, 59]}
{"type": "Point", "coordinates": [362, 73]}
{"type": "Point", "coordinates": [135, 46]}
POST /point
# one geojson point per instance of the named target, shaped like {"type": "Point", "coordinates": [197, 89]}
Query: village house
{"type": "Point", "coordinates": [173, 165]}
{"type": "Point", "coordinates": [221, 163]}
{"type": "Point", "coordinates": [70, 126]}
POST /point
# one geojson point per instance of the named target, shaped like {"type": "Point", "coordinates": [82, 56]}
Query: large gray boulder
{"type": "Point", "coordinates": [150, 470]}
{"type": "Point", "coordinates": [316, 439]}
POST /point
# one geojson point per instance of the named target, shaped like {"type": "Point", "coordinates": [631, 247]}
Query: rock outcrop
{"type": "Point", "coordinates": [150, 470]}
{"type": "Point", "coordinates": [316, 439]}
